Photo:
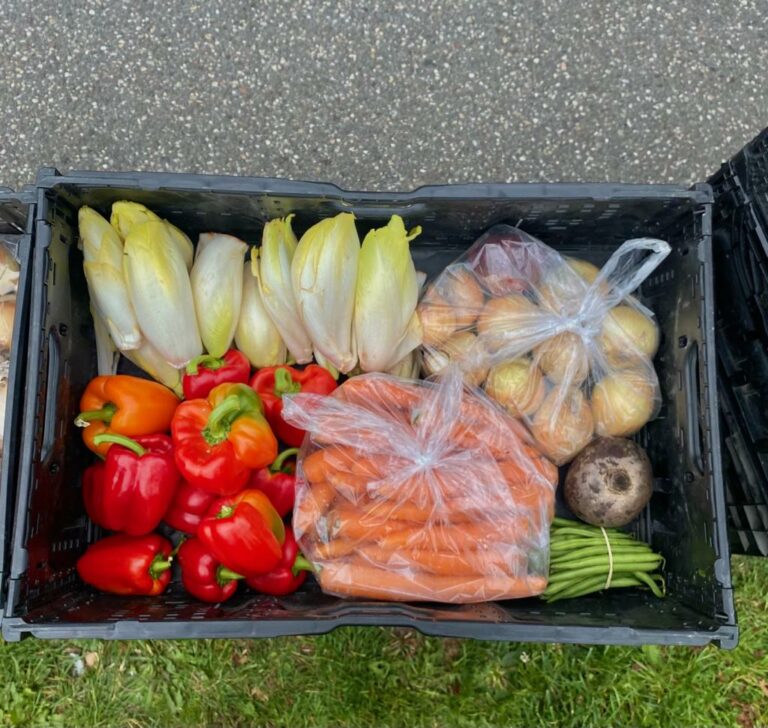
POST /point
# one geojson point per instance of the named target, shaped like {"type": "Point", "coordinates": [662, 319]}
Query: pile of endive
{"type": "Point", "coordinates": [162, 302]}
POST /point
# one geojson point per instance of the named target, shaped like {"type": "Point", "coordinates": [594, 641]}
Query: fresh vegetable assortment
{"type": "Point", "coordinates": [398, 490]}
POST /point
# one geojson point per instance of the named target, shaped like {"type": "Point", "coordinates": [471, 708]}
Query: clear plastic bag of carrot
{"type": "Point", "coordinates": [420, 491]}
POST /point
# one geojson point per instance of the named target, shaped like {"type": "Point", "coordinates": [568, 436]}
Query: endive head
{"type": "Point", "coordinates": [278, 238]}
{"type": "Point", "coordinates": [324, 274]}
{"type": "Point", "coordinates": [95, 232]}
{"type": "Point", "coordinates": [126, 215]}
{"type": "Point", "coordinates": [386, 297]}
{"type": "Point", "coordinates": [217, 288]}
{"type": "Point", "coordinates": [160, 290]}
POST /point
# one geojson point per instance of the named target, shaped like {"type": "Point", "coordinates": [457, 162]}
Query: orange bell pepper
{"type": "Point", "coordinates": [124, 405]}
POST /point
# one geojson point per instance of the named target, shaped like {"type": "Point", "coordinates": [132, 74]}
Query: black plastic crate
{"type": "Point", "coordinates": [685, 520]}
{"type": "Point", "coordinates": [740, 251]}
{"type": "Point", "coordinates": [16, 219]}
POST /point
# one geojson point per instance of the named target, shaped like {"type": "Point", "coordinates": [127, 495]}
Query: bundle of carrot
{"type": "Point", "coordinates": [420, 491]}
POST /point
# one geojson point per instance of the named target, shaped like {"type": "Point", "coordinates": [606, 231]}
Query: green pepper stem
{"type": "Point", "coordinates": [205, 360]}
{"type": "Point", "coordinates": [105, 414]}
{"type": "Point", "coordinates": [284, 383]}
{"type": "Point", "coordinates": [116, 439]}
{"type": "Point", "coordinates": [277, 465]}
{"type": "Point", "coordinates": [159, 565]}
{"type": "Point", "coordinates": [301, 564]}
{"type": "Point", "coordinates": [218, 420]}
{"type": "Point", "coordinates": [225, 575]}
{"type": "Point", "coordinates": [225, 512]}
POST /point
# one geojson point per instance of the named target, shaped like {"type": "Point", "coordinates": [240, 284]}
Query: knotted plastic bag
{"type": "Point", "coordinates": [420, 491]}
{"type": "Point", "coordinates": [561, 344]}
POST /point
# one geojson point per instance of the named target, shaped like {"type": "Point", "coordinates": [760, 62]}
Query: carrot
{"type": "Point", "coordinates": [312, 505]}
{"type": "Point", "coordinates": [356, 579]}
{"type": "Point", "coordinates": [314, 466]}
{"type": "Point", "coordinates": [480, 563]}
{"type": "Point", "coordinates": [379, 391]}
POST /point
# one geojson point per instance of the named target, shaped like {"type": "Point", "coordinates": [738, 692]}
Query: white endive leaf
{"type": "Point", "coordinates": [408, 367]}
{"type": "Point", "coordinates": [149, 359]}
{"type": "Point", "coordinates": [125, 215]}
{"type": "Point", "coordinates": [103, 266]}
{"type": "Point", "coordinates": [256, 335]}
{"type": "Point", "coordinates": [273, 264]}
{"type": "Point", "coordinates": [386, 325]}
{"type": "Point", "coordinates": [161, 293]}
{"type": "Point", "coordinates": [106, 353]}
{"type": "Point", "coordinates": [324, 274]}
{"type": "Point", "coordinates": [325, 364]}
{"type": "Point", "coordinates": [217, 288]}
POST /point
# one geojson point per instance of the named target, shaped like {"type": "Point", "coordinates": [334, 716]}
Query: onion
{"type": "Point", "coordinates": [564, 354]}
{"type": "Point", "coordinates": [563, 429]}
{"type": "Point", "coordinates": [465, 349]}
{"type": "Point", "coordinates": [562, 290]}
{"type": "Point", "coordinates": [518, 385]}
{"type": "Point", "coordinates": [7, 312]}
{"type": "Point", "coordinates": [510, 325]}
{"type": "Point", "coordinates": [438, 320]}
{"type": "Point", "coordinates": [627, 335]}
{"type": "Point", "coordinates": [623, 401]}
{"type": "Point", "coordinates": [462, 291]}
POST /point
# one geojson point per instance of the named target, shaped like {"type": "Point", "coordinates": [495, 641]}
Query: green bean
{"type": "Point", "coordinates": [651, 584]}
{"type": "Point", "coordinates": [595, 551]}
{"type": "Point", "coordinates": [603, 568]}
{"type": "Point", "coordinates": [593, 587]}
{"type": "Point", "coordinates": [617, 536]}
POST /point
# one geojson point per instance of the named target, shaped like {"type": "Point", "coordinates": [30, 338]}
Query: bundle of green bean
{"type": "Point", "coordinates": [581, 563]}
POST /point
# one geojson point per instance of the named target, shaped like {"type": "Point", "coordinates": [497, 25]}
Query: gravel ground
{"type": "Point", "coordinates": [383, 94]}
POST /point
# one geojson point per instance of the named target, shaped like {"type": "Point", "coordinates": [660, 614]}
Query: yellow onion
{"type": "Point", "coordinates": [563, 358]}
{"type": "Point", "coordinates": [437, 319]}
{"type": "Point", "coordinates": [626, 336]}
{"type": "Point", "coordinates": [464, 349]}
{"type": "Point", "coordinates": [460, 288]}
{"type": "Point", "coordinates": [517, 385]}
{"type": "Point", "coordinates": [563, 425]}
{"type": "Point", "coordinates": [623, 401]}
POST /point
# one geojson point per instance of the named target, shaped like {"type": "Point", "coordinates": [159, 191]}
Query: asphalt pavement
{"type": "Point", "coordinates": [378, 94]}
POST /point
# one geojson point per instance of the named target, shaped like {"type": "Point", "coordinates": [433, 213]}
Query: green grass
{"type": "Point", "coordinates": [360, 677]}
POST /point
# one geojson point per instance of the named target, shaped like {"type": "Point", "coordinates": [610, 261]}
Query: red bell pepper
{"type": "Point", "coordinates": [128, 565]}
{"type": "Point", "coordinates": [206, 372]}
{"type": "Point", "coordinates": [288, 575]}
{"type": "Point", "coordinates": [188, 507]}
{"type": "Point", "coordinates": [131, 491]}
{"type": "Point", "coordinates": [244, 532]}
{"type": "Point", "coordinates": [278, 482]}
{"type": "Point", "coordinates": [203, 576]}
{"type": "Point", "coordinates": [272, 383]}
{"type": "Point", "coordinates": [220, 440]}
